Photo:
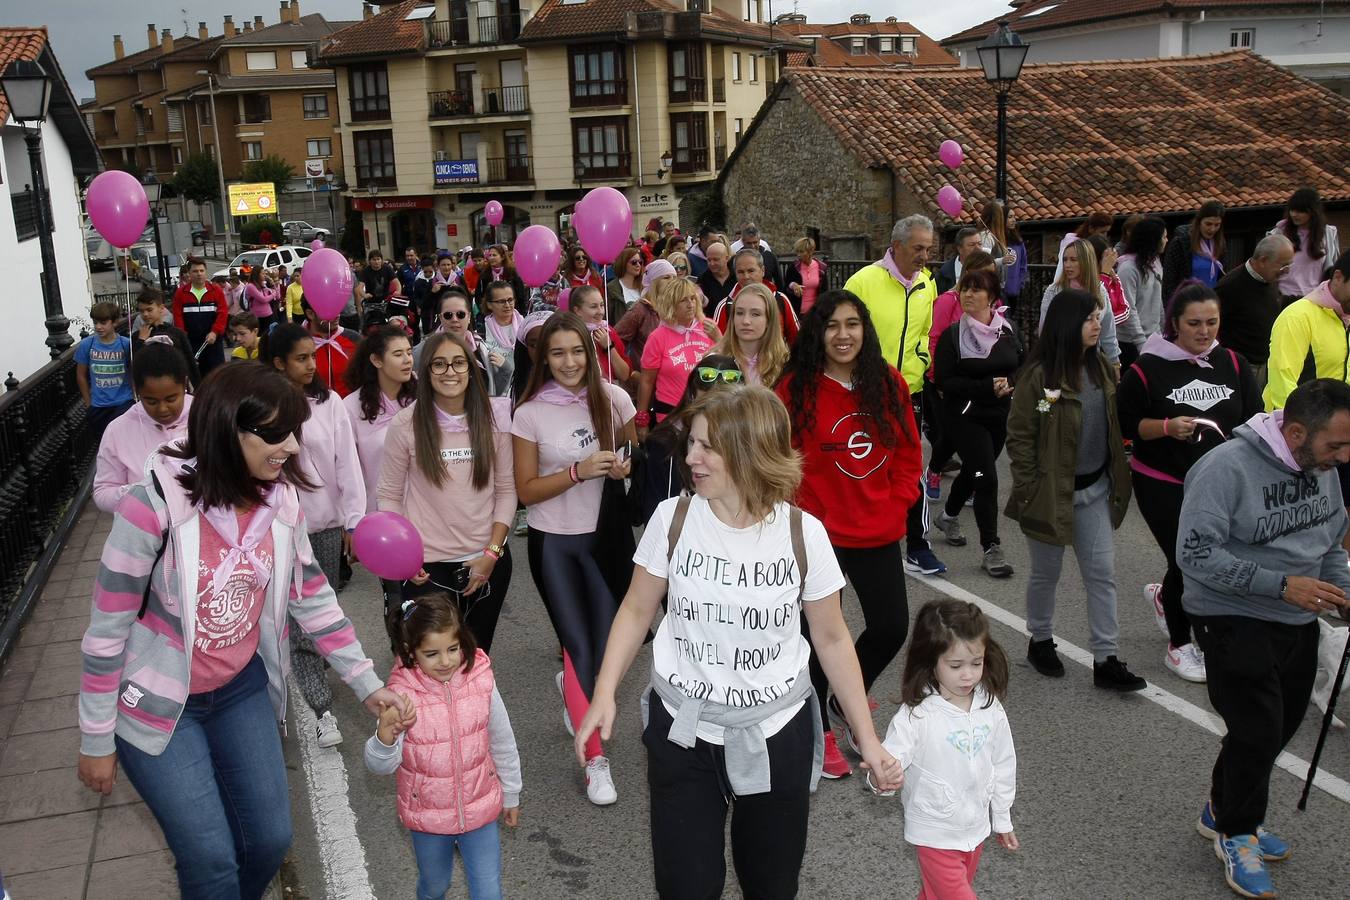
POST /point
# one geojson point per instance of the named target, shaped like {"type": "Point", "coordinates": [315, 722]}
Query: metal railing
{"type": "Point", "coordinates": [719, 90]}
{"type": "Point", "coordinates": [454, 31]}
{"type": "Point", "coordinates": [514, 98]}
{"type": "Point", "coordinates": [510, 169]}
{"type": "Point", "coordinates": [498, 29]}
{"type": "Point", "coordinates": [25, 206]}
{"type": "Point", "coordinates": [497, 101]}
{"type": "Point", "coordinates": [689, 160]}
{"type": "Point", "coordinates": [449, 104]}
{"type": "Point", "coordinates": [598, 165]}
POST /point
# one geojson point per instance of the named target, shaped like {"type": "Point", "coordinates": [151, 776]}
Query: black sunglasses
{"type": "Point", "coordinates": [269, 434]}
{"type": "Point", "coordinates": [710, 375]}
{"type": "Point", "coordinates": [454, 314]}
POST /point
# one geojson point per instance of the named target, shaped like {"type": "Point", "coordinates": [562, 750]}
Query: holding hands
{"type": "Point", "coordinates": [396, 713]}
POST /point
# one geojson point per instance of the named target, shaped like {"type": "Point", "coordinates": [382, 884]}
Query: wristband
{"type": "Point", "coordinates": [491, 554]}
{"type": "Point", "coordinates": [573, 474]}
{"type": "Point", "coordinates": [1165, 421]}
{"type": "Point", "coordinates": [642, 418]}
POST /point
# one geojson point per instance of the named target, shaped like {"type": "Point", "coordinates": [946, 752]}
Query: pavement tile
{"type": "Point", "coordinates": [8, 713]}
{"type": "Point", "coordinates": [24, 659]}
{"type": "Point", "coordinates": [134, 877]}
{"type": "Point", "coordinates": [26, 753]}
{"type": "Point", "coordinates": [92, 551]}
{"type": "Point", "coordinates": [53, 884]}
{"type": "Point", "coordinates": [127, 830]}
{"type": "Point", "coordinates": [50, 843]}
{"type": "Point", "coordinates": [14, 686]}
{"type": "Point", "coordinates": [62, 653]}
{"type": "Point", "coordinates": [122, 792]}
{"type": "Point", "coordinates": [36, 633]}
{"type": "Point", "coordinates": [69, 629]}
{"type": "Point", "coordinates": [47, 714]}
{"type": "Point", "coordinates": [54, 682]}
{"type": "Point", "coordinates": [37, 795]}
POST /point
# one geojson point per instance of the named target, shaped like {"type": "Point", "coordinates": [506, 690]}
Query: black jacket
{"type": "Point", "coordinates": [946, 276]}
{"type": "Point", "coordinates": [794, 276]}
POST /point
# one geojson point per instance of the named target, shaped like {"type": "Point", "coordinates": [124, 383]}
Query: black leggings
{"type": "Point", "coordinates": [1159, 503]}
{"type": "Point", "coordinates": [479, 610]}
{"type": "Point", "coordinates": [578, 600]}
{"type": "Point", "coordinates": [916, 519]}
{"type": "Point", "coordinates": [979, 440]}
{"type": "Point", "coordinates": [878, 578]}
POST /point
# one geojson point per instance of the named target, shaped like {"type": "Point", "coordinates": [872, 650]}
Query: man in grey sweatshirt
{"type": "Point", "coordinates": [1259, 546]}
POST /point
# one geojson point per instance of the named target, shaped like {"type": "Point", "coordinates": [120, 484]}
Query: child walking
{"type": "Point", "coordinates": [456, 758]}
{"type": "Point", "coordinates": [952, 737]}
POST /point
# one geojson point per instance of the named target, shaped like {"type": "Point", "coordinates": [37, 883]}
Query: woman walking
{"type": "Point", "coordinates": [1316, 244]}
{"type": "Point", "coordinates": [670, 353]}
{"type": "Point", "coordinates": [1196, 250]}
{"type": "Point", "coordinates": [754, 338]}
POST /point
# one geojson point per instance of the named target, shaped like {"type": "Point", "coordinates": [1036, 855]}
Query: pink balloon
{"type": "Point", "coordinates": [388, 545]}
{"type": "Point", "coordinates": [536, 254]}
{"type": "Point", "coordinates": [316, 244]}
{"type": "Point", "coordinates": [951, 154]}
{"type": "Point", "coordinates": [949, 198]}
{"type": "Point", "coordinates": [494, 213]}
{"type": "Point", "coordinates": [117, 207]}
{"type": "Point", "coordinates": [604, 223]}
{"type": "Point", "coordinates": [327, 282]}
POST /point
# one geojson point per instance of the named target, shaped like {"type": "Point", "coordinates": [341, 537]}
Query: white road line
{"type": "Point", "coordinates": [344, 859]}
{"type": "Point", "coordinates": [1336, 787]}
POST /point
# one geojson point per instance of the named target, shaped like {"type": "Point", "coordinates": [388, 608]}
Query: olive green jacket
{"type": "Point", "coordinates": [1043, 452]}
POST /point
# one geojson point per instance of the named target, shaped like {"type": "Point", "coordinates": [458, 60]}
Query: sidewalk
{"type": "Point", "coordinates": [58, 839]}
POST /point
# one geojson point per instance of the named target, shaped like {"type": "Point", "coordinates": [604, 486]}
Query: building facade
{"type": "Point", "coordinates": [862, 42]}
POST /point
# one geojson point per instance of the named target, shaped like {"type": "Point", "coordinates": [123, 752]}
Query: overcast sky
{"type": "Point", "coordinates": [81, 30]}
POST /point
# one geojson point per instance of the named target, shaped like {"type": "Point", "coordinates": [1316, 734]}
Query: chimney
{"type": "Point", "coordinates": [859, 19]}
{"type": "Point", "coordinates": [258, 23]}
{"type": "Point", "coordinates": [166, 40]}
{"type": "Point", "coordinates": [202, 32]}
{"type": "Point", "coordinates": [248, 27]}
{"type": "Point", "coordinates": [119, 50]}
{"type": "Point", "coordinates": [152, 36]}
{"type": "Point", "coordinates": [229, 27]}
{"type": "Point", "coordinates": [295, 10]}
{"type": "Point", "coordinates": [366, 11]}
{"type": "Point", "coordinates": [891, 20]}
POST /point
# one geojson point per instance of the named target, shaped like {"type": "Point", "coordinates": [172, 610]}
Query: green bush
{"type": "Point", "coordinates": [251, 231]}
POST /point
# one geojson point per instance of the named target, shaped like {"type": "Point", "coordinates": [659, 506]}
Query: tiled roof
{"type": "Point", "coordinates": [310, 28]}
{"type": "Point", "coordinates": [129, 63]}
{"type": "Point", "coordinates": [18, 44]}
{"type": "Point", "coordinates": [320, 78]}
{"type": "Point", "coordinates": [831, 53]}
{"type": "Point", "coordinates": [1041, 15]}
{"type": "Point", "coordinates": [557, 20]}
{"type": "Point", "coordinates": [387, 33]}
{"type": "Point", "coordinates": [1159, 136]}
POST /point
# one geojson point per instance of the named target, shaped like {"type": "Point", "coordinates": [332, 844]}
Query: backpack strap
{"type": "Point", "coordinates": [677, 526]}
{"type": "Point", "coordinates": [159, 554]}
{"type": "Point", "coordinates": [798, 548]}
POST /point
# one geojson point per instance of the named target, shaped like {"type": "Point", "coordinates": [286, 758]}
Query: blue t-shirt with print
{"type": "Point", "coordinates": [109, 369]}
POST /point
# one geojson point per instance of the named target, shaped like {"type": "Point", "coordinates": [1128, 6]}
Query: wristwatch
{"type": "Point", "coordinates": [497, 549]}
{"type": "Point", "coordinates": [1284, 585]}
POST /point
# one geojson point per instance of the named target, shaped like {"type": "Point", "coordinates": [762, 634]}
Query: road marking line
{"type": "Point", "coordinates": [1333, 785]}
{"type": "Point", "coordinates": [344, 859]}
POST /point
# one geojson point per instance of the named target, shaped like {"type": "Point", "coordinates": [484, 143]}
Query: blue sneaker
{"type": "Point", "coordinates": [1244, 869]}
{"type": "Point", "coordinates": [933, 485]}
{"type": "Point", "coordinates": [1273, 847]}
{"type": "Point", "coordinates": [923, 562]}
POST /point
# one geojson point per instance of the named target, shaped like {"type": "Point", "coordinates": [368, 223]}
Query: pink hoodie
{"type": "Point", "coordinates": [127, 445]}
{"type": "Point", "coordinates": [370, 439]}
{"type": "Point", "coordinates": [328, 458]}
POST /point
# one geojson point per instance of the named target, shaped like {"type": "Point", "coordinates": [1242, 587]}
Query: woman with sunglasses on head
{"type": "Point", "coordinates": [853, 424]}
{"type": "Point", "coordinates": [570, 427]}
{"type": "Point", "coordinates": [455, 313]}
{"type": "Point", "coordinates": [679, 261]}
{"type": "Point", "coordinates": [500, 325]}
{"type": "Point", "coordinates": [754, 338]}
{"type": "Point", "coordinates": [327, 458]}
{"type": "Point", "coordinates": [581, 271]}
{"type": "Point", "coordinates": [185, 667]}
{"type": "Point", "coordinates": [447, 468]}
{"type": "Point", "coordinates": [671, 352]}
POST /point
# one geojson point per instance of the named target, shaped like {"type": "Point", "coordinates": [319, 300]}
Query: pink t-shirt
{"type": "Point", "coordinates": [810, 285]}
{"type": "Point", "coordinates": [227, 620]}
{"type": "Point", "coordinates": [672, 356]}
{"type": "Point", "coordinates": [565, 435]}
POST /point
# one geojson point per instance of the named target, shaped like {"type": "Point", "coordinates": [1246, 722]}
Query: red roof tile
{"type": "Point", "coordinates": [1135, 135]}
{"type": "Point", "coordinates": [387, 33]}
{"type": "Point", "coordinates": [832, 53]}
{"type": "Point", "coordinates": [19, 44]}
{"type": "Point", "coordinates": [557, 20]}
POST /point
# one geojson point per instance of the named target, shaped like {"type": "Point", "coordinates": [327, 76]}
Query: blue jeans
{"type": "Point", "coordinates": [481, 850]}
{"type": "Point", "coordinates": [219, 790]}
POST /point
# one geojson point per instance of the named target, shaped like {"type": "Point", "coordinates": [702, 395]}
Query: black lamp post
{"type": "Point", "coordinates": [28, 90]}
{"type": "Point", "coordinates": [1001, 56]}
{"type": "Point", "coordinates": [153, 191]}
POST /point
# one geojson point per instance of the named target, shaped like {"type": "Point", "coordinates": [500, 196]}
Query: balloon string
{"type": "Point", "coordinates": [131, 338]}
{"type": "Point", "coordinates": [966, 201]}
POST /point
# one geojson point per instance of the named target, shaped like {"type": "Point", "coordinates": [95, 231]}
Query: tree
{"type": "Point", "coordinates": [197, 179]}
{"type": "Point", "coordinates": [272, 168]}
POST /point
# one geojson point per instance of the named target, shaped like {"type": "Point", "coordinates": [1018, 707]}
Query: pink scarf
{"type": "Point", "coordinates": [1267, 428]}
{"type": "Point", "coordinates": [469, 337]}
{"type": "Point", "coordinates": [751, 369]}
{"type": "Point", "coordinates": [1207, 251]}
{"type": "Point", "coordinates": [320, 343]}
{"type": "Point", "coordinates": [1322, 296]}
{"type": "Point", "coordinates": [1160, 346]}
{"type": "Point", "coordinates": [531, 322]}
{"type": "Point", "coordinates": [498, 275]}
{"type": "Point", "coordinates": [451, 423]}
{"type": "Point", "coordinates": [560, 396]}
{"type": "Point", "coordinates": [243, 548]}
{"type": "Point", "coordinates": [887, 262]}
{"type": "Point", "coordinates": [498, 332]}
{"type": "Point", "coordinates": [975, 339]}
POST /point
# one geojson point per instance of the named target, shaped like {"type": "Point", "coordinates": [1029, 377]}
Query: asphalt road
{"type": "Point", "coordinates": [1109, 786]}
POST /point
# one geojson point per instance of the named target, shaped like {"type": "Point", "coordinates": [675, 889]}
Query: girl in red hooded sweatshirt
{"type": "Point", "coordinates": [861, 456]}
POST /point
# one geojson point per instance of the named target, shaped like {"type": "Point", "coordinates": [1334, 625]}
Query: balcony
{"type": "Point", "coordinates": [498, 29]}
{"type": "Point", "coordinates": [494, 101]}
{"type": "Point", "coordinates": [719, 90]}
{"type": "Point", "coordinates": [689, 160]}
{"type": "Point", "coordinates": [460, 31]}
{"type": "Point", "coordinates": [510, 170]}
{"type": "Point", "coordinates": [597, 166]}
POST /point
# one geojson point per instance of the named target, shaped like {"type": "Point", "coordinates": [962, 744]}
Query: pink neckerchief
{"type": "Point", "coordinates": [498, 274]}
{"type": "Point", "coordinates": [887, 262]}
{"type": "Point", "coordinates": [469, 337]}
{"type": "Point", "coordinates": [1322, 296]}
{"type": "Point", "coordinates": [498, 331]}
{"type": "Point", "coordinates": [320, 343]}
{"type": "Point", "coordinates": [751, 368]}
{"type": "Point", "coordinates": [1267, 427]}
{"type": "Point", "coordinates": [438, 278]}
{"type": "Point", "coordinates": [975, 339]}
{"type": "Point", "coordinates": [243, 548]}
{"type": "Point", "coordinates": [558, 395]}
{"type": "Point", "coordinates": [1159, 346]}
{"type": "Point", "coordinates": [451, 423]}
{"type": "Point", "coordinates": [1207, 251]}
{"type": "Point", "coordinates": [677, 328]}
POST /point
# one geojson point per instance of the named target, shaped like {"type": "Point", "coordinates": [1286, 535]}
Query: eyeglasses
{"type": "Point", "coordinates": [580, 259]}
{"type": "Point", "coordinates": [681, 268]}
{"type": "Point", "coordinates": [711, 374]}
{"type": "Point", "coordinates": [269, 434]}
{"type": "Point", "coordinates": [509, 301]}
{"type": "Point", "coordinates": [451, 314]}
{"type": "Point", "coordinates": [439, 365]}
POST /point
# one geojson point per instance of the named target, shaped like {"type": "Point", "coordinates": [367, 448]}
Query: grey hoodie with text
{"type": "Point", "coordinates": [1247, 521]}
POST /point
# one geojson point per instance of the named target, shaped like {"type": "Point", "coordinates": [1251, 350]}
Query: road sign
{"type": "Point", "coordinates": [258, 199]}
{"type": "Point", "coordinates": [314, 168]}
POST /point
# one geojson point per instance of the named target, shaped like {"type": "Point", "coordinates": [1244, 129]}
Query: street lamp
{"type": "Point", "coordinates": [332, 216]}
{"type": "Point", "coordinates": [223, 203]}
{"type": "Point", "coordinates": [666, 161]}
{"type": "Point", "coordinates": [153, 190]}
{"type": "Point", "coordinates": [28, 90]}
{"type": "Point", "coordinates": [1001, 56]}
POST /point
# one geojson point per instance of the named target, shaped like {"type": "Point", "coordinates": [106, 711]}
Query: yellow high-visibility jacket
{"type": "Point", "coordinates": [1308, 341]}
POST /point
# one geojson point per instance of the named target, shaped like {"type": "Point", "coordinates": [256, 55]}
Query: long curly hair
{"type": "Point", "coordinates": [363, 376]}
{"type": "Point", "coordinates": [873, 384]}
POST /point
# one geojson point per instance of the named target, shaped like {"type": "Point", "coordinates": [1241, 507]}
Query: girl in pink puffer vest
{"type": "Point", "coordinates": [456, 758]}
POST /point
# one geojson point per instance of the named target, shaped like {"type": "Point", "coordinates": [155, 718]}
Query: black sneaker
{"type": "Point", "coordinates": [1044, 659]}
{"type": "Point", "coordinates": [1113, 676]}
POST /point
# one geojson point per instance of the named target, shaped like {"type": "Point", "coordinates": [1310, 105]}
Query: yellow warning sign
{"type": "Point", "coordinates": [258, 199]}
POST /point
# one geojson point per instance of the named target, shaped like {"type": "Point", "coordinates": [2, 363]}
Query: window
{"type": "Point", "coordinates": [517, 156]}
{"type": "Point", "coordinates": [260, 60]}
{"type": "Point", "coordinates": [175, 116]}
{"type": "Point", "coordinates": [687, 81]}
{"type": "Point", "coordinates": [316, 106]}
{"type": "Point", "coordinates": [374, 158]}
{"type": "Point", "coordinates": [299, 59]}
{"type": "Point", "coordinates": [909, 44]}
{"type": "Point", "coordinates": [1242, 38]}
{"type": "Point", "coordinates": [315, 147]}
{"type": "Point", "coordinates": [177, 156]}
{"type": "Point", "coordinates": [736, 132]}
{"type": "Point", "coordinates": [597, 75]}
{"type": "Point", "coordinates": [754, 68]}
{"type": "Point", "coordinates": [736, 67]}
{"type": "Point", "coordinates": [204, 112]}
{"type": "Point", "coordinates": [257, 108]}
{"type": "Point", "coordinates": [689, 142]}
{"type": "Point", "coordinates": [887, 45]}
{"type": "Point", "coordinates": [468, 145]}
{"type": "Point", "coordinates": [857, 46]}
{"type": "Point", "coordinates": [600, 147]}
{"type": "Point", "coordinates": [253, 150]}
{"type": "Point", "coordinates": [369, 92]}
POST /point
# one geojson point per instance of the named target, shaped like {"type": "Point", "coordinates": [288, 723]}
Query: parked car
{"type": "Point", "coordinates": [100, 252]}
{"type": "Point", "coordinates": [306, 231]}
{"type": "Point", "coordinates": [145, 257]}
{"type": "Point", "coordinates": [200, 233]}
{"type": "Point", "coordinates": [287, 255]}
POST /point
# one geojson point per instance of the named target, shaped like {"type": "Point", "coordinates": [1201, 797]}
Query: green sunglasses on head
{"type": "Point", "coordinates": [710, 374]}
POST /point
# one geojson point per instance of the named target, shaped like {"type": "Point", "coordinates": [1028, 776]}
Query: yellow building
{"type": "Point", "coordinates": [447, 105]}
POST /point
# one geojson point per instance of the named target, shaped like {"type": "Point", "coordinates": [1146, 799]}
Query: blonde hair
{"type": "Point", "coordinates": [773, 350]}
{"type": "Point", "coordinates": [1088, 278]}
{"type": "Point", "coordinates": [804, 243]}
{"type": "Point", "coordinates": [680, 256]}
{"type": "Point", "coordinates": [669, 294]}
{"type": "Point", "coordinates": [749, 428]}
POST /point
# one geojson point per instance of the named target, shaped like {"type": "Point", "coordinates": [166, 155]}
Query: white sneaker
{"type": "Point", "coordinates": [1153, 594]}
{"type": "Point", "coordinates": [1187, 663]}
{"type": "Point", "coordinates": [599, 784]}
{"type": "Point", "coordinates": [329, 735]}
{"type": "Point", "coordinates": [567, 716]}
